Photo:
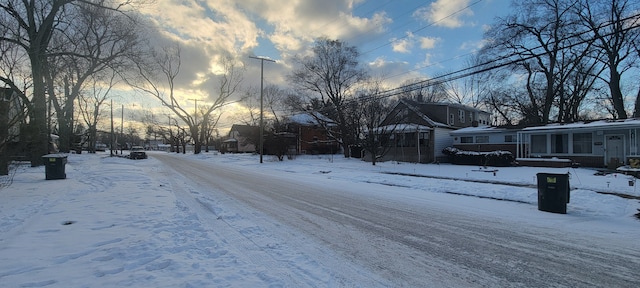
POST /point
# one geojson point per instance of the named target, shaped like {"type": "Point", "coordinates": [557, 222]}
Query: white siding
{"type": "Point", "coordinates": [442, 139]}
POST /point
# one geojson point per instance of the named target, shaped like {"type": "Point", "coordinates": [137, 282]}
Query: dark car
{"type": "Point", "coordinates": [137, 152]}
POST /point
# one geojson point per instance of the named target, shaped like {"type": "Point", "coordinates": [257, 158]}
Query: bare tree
{"type": "Point", "coordinates": [473, 89]}
{"type": "Point", "coordinates": [536, 37]}
{"type": "Point", "coordinates": [91, 103]}
{"type": "Point", "coordinates": [12, 99]}
{"type": "Point", "coordinates": [372, 109]}
{"type": "Point", "coordinates": [331, 74]}
{"type": "Point", "coordinates": [165, 64]}
{"type": "Point", "coordinates": [424, 90]}
{"type": "Point", "coordinates": [636, 109]}
{"type": "Point", "coordinates": [100, 39]}
{"type": "Point", "coordinates": [31, 26]}
{"type": "Point", "coordinates": [613, 26]}
{"type": "Point", "coordinates": [274, 101]}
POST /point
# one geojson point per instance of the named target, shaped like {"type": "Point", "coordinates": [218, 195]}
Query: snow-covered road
{"type": "Point", "coordinates": [212, 220]}
{"type": "Point", "coordinates": [373, 238]}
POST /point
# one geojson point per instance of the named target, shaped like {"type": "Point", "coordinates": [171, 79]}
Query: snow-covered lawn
{"type": "Point", "coordinates": [116, 222]}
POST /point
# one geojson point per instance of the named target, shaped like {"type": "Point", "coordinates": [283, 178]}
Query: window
{"type": "Point", "coordinates": [582, 143]}
{"type": "Point", "coordinates": [560, 143]}
{"type": "Point", "coordinates": [424, 138]}
{"type": "Point", "coordinates": [461, 115]}
{"type": "Point", "coordinates": [466, 139]}
{"type": "Point", "coordinates": [538, 143]}
{"type": "Point", "coordinates": [452, 119]}
{"type": "Point", "coordinates": [409, 140]}
{"type": "Point", "coordinates": [405, 140]}
{"type": "Point", "coordinates": [509, 138]}
{"type": "Point", "coordinates": [482, 139]}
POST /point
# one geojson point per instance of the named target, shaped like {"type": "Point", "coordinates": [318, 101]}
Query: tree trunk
{"type": "Point", "coordinates": [636, 110]}
{"type": "Point", "coordinates": [38, 142]}
{"type": "Point", "coordinates": [196, 139]}
{"type": "Point", "coordinates": [616, 94]}
{"type": "Point", "coordinates": [4, 132]}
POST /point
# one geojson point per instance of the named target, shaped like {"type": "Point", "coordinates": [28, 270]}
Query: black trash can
{"type": "Point", "coordinates": [553, 192]}
{"type": "Point", "coordinates": [54, 166]}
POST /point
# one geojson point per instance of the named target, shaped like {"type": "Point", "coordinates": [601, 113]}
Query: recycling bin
{"type": "Point", "coordinates": [553, 192]}
{"type": "Point", "coordinates": [54, 166]}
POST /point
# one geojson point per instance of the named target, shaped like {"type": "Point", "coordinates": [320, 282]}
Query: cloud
{"type": "Point", "coordinates": [428, 42]}
{"type": "Point", "coordinates": [392, 72]}
{"type": "Point", "coordinates": [402, 45]}
{"type": "Point", "coordinates": [216, 27]}
{"type": "Point", "coordinates": [299, 23]}
{"type": "Point", "coordinates": [473, 45]}
{"type": "Point", "coordinates": [445, 13]}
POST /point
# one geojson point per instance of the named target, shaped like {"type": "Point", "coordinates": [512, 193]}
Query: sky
{"type": "Point", "coordinates": [115, 222]}
{"type": "Point", "coordinates": [398, 39]}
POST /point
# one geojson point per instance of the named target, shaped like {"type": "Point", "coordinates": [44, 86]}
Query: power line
{"type": "Point", "coordinates": [489, 65]}
{"type": "Point", "coordinates": [450, 76]}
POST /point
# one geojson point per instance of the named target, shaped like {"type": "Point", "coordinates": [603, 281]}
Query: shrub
{"type": "Point", "coordinates": [495, 158]}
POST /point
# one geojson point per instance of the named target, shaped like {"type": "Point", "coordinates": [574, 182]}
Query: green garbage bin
{"type": "Point", "coordinates": [553, 192]}
{"type": "Point", "coordinates": [54, 166]}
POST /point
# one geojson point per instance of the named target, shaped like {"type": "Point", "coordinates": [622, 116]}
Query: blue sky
{"type": "Point", "coordinates": [398, 39]}
{"type": "Point", "coordinates": [409, 37]}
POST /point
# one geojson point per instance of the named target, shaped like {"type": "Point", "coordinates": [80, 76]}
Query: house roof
{"type": "Point", "coordinates": [310, 118]}
{"type": "Point", "coordinates": [600, 124]}
{"type": "Point", "coordinates": [414, 106]}
{"type": "Point", "coordinates": [245, 130]}
{"type": "Point", "coordinates": [454, 105]}
{"type": "Point", "coordinates": [483, 129]}
{"type": "Point", "coordinates": [402, 128]}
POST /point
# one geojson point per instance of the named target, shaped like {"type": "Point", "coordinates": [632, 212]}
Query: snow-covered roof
{"type": "Point", "coordinates": [398, 128]}
{"type": "Point", "coordinates": [311, 118]}
{"type": "Point", "coordinates": [482, 129]}
{"type": "Point", "coordinates": [608, 124]}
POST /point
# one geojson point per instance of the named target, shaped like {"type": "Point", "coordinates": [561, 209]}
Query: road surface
{"type": "Point", "coordinates": [413, 243]}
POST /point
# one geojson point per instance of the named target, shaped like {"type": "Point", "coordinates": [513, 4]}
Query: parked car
{"type": "Point", "coordinates": [137, 152]}
{"type": "Point", "coordinates": [101, 147]}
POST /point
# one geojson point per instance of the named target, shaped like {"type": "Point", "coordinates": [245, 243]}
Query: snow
{"type": "Point", "coordinates": [308, 119]}
{"type": "Point", "coordinates": [115, 222]}
{"type": "Point", "coordinates": [608, 124]}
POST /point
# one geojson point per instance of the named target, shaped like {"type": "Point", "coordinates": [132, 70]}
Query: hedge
{"type": "Point", "coordinates": [494, 158]}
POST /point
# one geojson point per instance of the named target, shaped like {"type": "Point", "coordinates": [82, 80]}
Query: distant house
{"type": "Point", "coordinates": [242, 139]}
{"type": "Point", "coordinates": [313, 133]}
{"type": "Point", "coordinates": [418, 132]}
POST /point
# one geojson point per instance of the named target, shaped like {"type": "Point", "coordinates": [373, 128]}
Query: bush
{"type": "Point", "coordinates": [495, 158]}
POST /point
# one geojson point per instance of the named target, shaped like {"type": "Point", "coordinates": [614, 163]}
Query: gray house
{"type": "Point", "coordinates": [603, 143]}
{"type": "Point", "coordinates": [418, 132]}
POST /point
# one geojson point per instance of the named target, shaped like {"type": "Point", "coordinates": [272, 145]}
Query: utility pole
{"type": "Point", "coordinates": [195, 111]}
{"type": "Point", "coordinates": [112, 140]}
{"type": "Point", "coordinates": [262, 59]}
{"type": "Point", "coordinates": [121, 126]}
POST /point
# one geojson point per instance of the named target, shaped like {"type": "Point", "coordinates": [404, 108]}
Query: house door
{"type": "Point", "coordinates": [614, 155]}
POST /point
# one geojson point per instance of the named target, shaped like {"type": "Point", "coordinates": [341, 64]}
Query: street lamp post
{"type": "Point", "coordinates": [262, 59]}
